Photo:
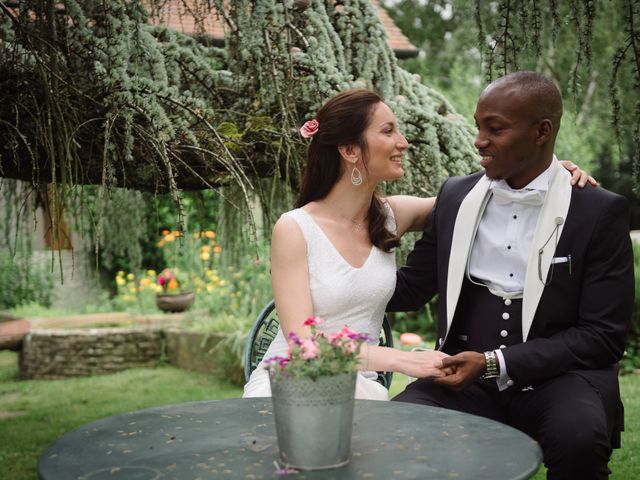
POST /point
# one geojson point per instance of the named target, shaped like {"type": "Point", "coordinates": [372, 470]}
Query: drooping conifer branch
{"type": "Point", "coordinates": [509, 45]}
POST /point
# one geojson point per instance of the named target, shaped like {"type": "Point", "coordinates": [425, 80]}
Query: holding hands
{"type": "Point", "coordinates": [415, 363]}
{"type": "Point", "coordinates": [456, 372]}
{"type": "Point", "coordinates": [424, 363]}
{"type": "Point", "coordinates": [462, 370]}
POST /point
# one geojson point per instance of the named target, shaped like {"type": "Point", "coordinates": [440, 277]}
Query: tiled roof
{"type": "Point", "coordinates": [176, 15]}
{"type": "Point", "coordinates": [400, 44]}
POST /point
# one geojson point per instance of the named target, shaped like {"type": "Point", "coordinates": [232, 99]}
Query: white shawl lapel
{"type": "Point", "coordinates": [556, 205]}
{"type": "Point", "coordinates": [464, 229]}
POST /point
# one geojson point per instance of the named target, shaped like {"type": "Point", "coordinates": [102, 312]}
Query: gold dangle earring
{"type": "Point", "coordinates": [356, 177]}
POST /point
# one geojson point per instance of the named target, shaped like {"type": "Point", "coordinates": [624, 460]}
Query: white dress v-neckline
{"type": "Point", "coordinates": [335, 249]}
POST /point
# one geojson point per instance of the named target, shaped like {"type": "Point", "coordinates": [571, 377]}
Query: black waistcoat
{"type": "Point", "coordinates": [484, 321]}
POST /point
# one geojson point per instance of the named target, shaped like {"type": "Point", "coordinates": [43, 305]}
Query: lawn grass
{"type": "Point", "coordinates": [46, 409]}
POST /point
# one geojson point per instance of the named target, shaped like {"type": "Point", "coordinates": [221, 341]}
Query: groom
{"type": "Point", "coordinates": [535, 281]}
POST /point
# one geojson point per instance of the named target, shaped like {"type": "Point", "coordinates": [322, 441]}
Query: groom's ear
{"type": "Point", "coordinates": [349, 152]}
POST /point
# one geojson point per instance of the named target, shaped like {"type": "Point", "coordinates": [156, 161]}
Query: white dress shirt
{"type": "Point", "coordinates": [502, 243]}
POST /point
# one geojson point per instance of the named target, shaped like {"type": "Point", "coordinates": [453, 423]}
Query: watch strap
{"type": "Point", "coordinates": [492, 365]}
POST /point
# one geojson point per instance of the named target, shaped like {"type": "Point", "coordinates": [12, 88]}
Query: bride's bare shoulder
{"type": "Point", "coordinates": [286, 230]}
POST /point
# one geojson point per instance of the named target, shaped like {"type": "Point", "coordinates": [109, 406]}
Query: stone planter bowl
{"type": "Point", "coordinates": [175, 302]}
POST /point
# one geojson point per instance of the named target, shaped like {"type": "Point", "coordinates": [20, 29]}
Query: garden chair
{"type": "Point", "coordinates": [265, 328]}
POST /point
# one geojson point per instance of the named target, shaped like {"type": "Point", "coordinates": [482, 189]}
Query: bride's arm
{"type": "Point", "coordinates": [417, 364]}
{"type": "Point", "coordinates": [290, 277]}
{"type": "Point", "coordinates": [410, 212]}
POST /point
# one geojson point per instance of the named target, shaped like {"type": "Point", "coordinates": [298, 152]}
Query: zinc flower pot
{"type": "Point", "coordinates": [175, 302]}
{"type": "Point", "coordinates": [314, 420]}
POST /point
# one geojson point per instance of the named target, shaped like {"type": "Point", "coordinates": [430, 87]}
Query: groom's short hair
{"type": "Point", "coordinates": [541, 93]}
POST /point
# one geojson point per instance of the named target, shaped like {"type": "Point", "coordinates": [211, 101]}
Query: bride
{"type": "Point", "coordinates": [332, 257]}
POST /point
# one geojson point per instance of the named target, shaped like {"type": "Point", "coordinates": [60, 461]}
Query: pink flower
{"type": "Point", "coordinates": [283, 471]}
{"type": "Point", "coordinates": [309, 349]}
{"type": "Point", "coordinates": [347, 332]}
{"type": "Point", "coordinates": [281, 361]}
{"type": "Point", "coordinates": [165, 278]}
{"type": "Point", "coordinates": [312, 321]}
{"type": "Point", "coordinates": [309, 129]}
{"type": "Point", "coordinates": [320, 354]}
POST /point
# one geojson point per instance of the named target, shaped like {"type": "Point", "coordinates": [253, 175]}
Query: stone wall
{"type": "Point", "coordinates": [58, 353]}
{"type": "Point", "coordinates": [61, 353]}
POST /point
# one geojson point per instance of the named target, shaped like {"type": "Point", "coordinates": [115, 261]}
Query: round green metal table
{"type": "Point", "coordinates": [235, 438]}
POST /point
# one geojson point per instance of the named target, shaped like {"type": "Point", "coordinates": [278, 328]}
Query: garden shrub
{"type": "Point", "coordinates": [631, 360]}
{"type": "Point", "coordinates": [195, 260]}
{"type": "Point", "coordinates": [22, 281]}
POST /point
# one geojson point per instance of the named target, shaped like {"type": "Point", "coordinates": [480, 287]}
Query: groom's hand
{"type": "Point", "coordinates": [465, 368]}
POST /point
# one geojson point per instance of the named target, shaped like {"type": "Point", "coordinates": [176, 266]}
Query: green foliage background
{"type": "Point", "coordinates": [575, 44]}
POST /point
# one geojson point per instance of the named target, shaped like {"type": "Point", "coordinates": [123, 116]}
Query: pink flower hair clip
{"type": "Point", "coordinates": [309, 129]}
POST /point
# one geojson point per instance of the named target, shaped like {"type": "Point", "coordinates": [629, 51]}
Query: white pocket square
{"type": "Point", "coordinates": [555, 260]}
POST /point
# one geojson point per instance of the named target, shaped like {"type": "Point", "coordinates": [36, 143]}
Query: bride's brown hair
{"type": "Point", "coordinates": [343, 121]}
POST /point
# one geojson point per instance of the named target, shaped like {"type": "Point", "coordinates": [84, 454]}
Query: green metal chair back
{"type": "Point", "coordinates": [265, 328]}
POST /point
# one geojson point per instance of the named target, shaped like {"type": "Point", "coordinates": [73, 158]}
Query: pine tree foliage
{"type": "Point", "coordinates": [92, 93]}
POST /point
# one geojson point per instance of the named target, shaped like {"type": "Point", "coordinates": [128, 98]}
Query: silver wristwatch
{"type": "Point", "coordinates": [492, 365]}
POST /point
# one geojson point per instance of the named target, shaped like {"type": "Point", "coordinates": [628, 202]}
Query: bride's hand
{"type": "Point", "coordinates": [578, 175]}
{"type": "Point", "coordinates": [422, 363]}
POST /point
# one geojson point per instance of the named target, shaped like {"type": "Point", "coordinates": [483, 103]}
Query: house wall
{"type": "Point", "coordinates": [72, 272]}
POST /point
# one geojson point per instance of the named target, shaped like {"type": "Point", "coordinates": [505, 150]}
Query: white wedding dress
{"type": "Point", "coordinates": [342, 296]}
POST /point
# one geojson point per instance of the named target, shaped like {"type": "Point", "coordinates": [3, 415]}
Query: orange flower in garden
{"type": "Point", "coordinates": [409, 338]}
{"type": "Point", "coordinates": [210, 234]}
{"type": "Point", "coordinates": [165, 232]}
{"type": "Point", "coordinates": [173, 284]}
{"type": "Point", "coordinates": [217, 249]}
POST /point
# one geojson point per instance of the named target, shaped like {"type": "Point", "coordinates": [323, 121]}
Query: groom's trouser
{"type": "Point", "coordinates": [565, 415]}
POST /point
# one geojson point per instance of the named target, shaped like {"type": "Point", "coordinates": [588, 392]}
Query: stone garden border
{"type": "Point", "coordinates": [48, 351]}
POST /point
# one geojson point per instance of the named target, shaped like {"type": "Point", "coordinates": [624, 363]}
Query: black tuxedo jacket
{"type": "Point", "coordinates": [583, 315]}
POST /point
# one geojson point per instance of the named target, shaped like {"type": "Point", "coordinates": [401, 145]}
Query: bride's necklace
{"type": "Point", "coordinates": [359, 226]}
